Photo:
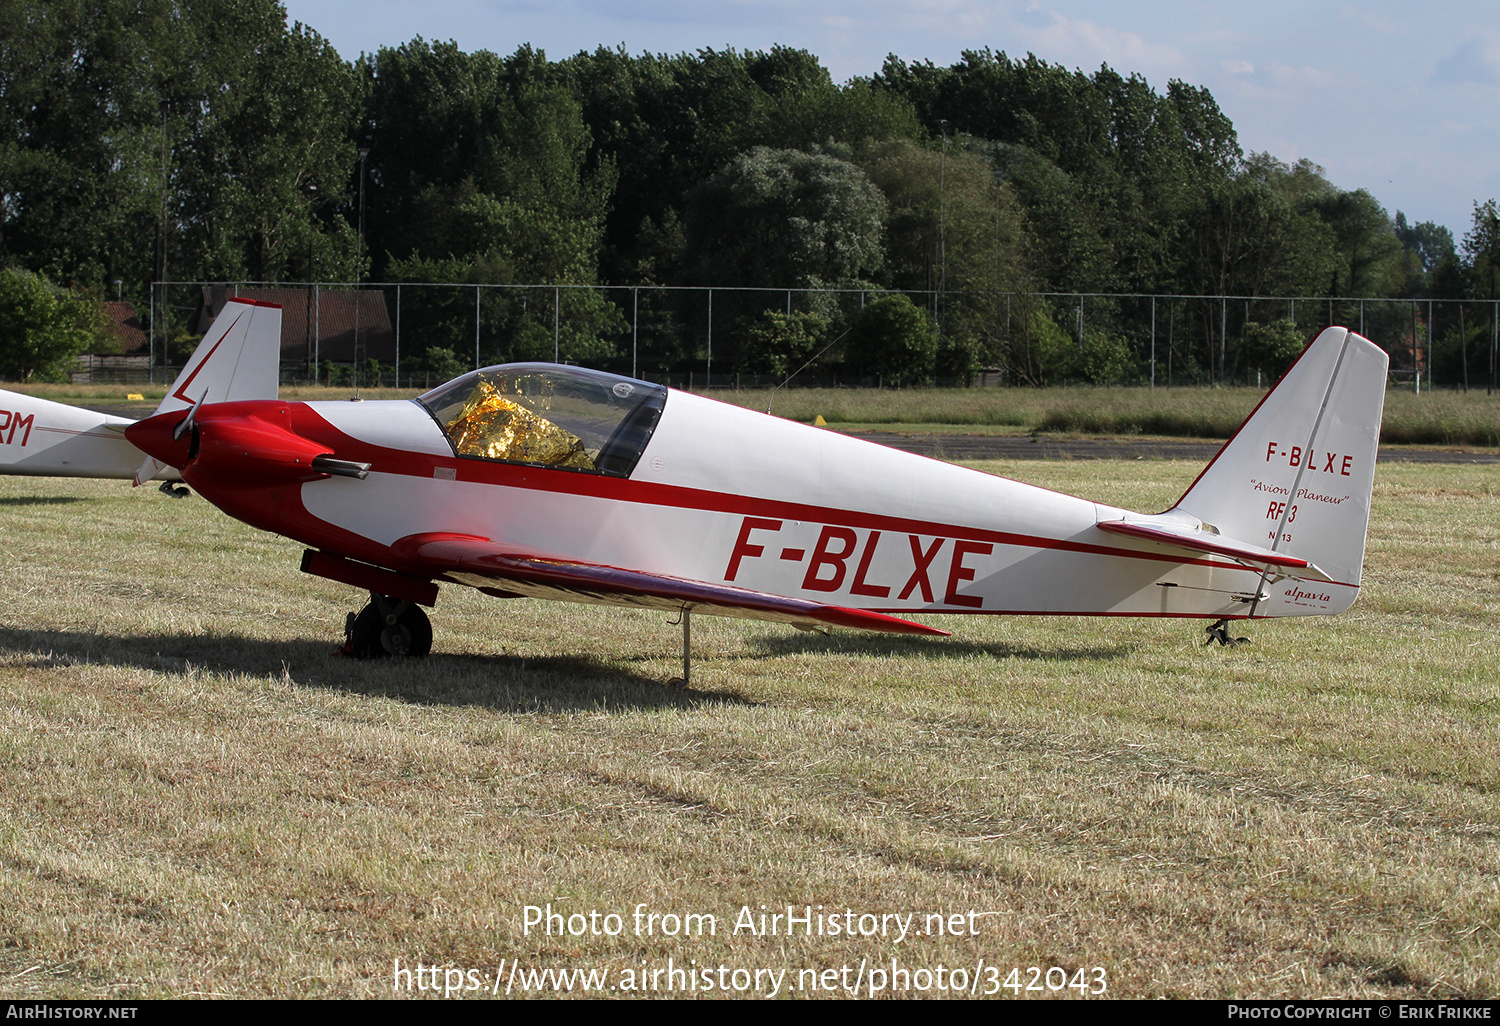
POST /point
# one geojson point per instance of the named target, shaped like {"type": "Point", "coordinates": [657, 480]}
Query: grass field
{"type": "Point", "coordinates": [197, 797]}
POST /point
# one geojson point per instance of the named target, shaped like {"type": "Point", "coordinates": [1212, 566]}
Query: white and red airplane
{"type": "Point", "coordinates": [562, 483]}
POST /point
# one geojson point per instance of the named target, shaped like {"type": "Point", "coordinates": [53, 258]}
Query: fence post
{"type": "Point", "coordinates": [1416, 351]}
{"type": "Point", "coordinates": [635, 328]}
{"type": "Point", "coordinates": [476, 327]}
{"type": "Point", "coordinates": [398, 336]}
{"type": "Point", "coordinates": [1429, 345]}
{"type": "Point", "coordinates": [1223, 335]}
{"type": "Point", "coordinates": [708, 380]}
{"type": "Point", "coordinates": [1153, 343]}
{"type": "Point", "coordinates": [151, 365]}
{"type": "Point", "coordinates": [556, 320]}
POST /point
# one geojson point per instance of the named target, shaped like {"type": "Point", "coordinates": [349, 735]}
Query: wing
{"type": "Point", "coordinates": [482, 563]}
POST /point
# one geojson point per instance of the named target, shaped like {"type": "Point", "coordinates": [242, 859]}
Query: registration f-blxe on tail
{"type": "Point", "coordinates": [562, 483]}
{"type": "Point", "coordinates": [238, 359]}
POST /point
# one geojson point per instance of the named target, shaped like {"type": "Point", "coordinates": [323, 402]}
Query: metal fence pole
{"type": "Point", "coordinates": [1223, 336]}
{"type": "Point", "coordinates": [635, 328]}
{"type": "Point", "coordinates": [151, 364]}
{"type": "Point", "coordinates": [1416, 352]}
{"type": "Point", "coordinates": [476, 327]}
{"type": "Point", "coordinates": [1153, 343]}
{"type": "Point", "coordinates": [556, 321]}
{"type": "Point", "coordinates": [709, 378]}
{"type": "Point", "coordinates": [398, 336]}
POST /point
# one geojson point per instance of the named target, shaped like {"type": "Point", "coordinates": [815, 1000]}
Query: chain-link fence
{"type": "Point", "coordinates": [416, 335]}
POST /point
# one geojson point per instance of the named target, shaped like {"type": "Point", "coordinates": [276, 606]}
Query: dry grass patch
{"type": "Point", "coordinates": [200, 798]}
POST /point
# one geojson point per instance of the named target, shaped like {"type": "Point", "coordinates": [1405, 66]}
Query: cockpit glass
{"type": "Point", "coordinates": [548, 415]}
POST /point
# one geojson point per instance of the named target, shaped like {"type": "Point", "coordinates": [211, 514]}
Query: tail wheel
{"type": "Point", "coordinates": [389, 627]}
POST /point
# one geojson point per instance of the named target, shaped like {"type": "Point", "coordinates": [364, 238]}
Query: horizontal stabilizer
{"type": "Point", "coordinates": [1188, 537]}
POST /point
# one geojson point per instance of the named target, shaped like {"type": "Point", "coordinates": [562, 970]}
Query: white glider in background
{"type": "Point", "coordinates": [239, 358]}
{"type": "Point", "coordinates": [557, 482]}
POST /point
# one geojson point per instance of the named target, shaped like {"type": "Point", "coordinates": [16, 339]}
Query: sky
{"type": "Point", "coordinates": [1399, 98]}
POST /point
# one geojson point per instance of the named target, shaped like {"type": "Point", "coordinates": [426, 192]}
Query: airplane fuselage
{"type": "Point", "coordinates": [723, 495]}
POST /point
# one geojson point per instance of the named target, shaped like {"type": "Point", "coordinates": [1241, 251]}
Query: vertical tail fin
{"type": "Point", "coordinates": [1297, 476]}
{"type": "Point", "coordinates": [239, 358]}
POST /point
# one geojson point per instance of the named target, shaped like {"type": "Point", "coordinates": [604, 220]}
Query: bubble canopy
{"type": "Point", "coordinates": [544, 414]}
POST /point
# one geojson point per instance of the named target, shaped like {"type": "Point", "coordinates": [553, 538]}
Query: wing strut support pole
{"type": "Point", "coordinates": [687, 646]}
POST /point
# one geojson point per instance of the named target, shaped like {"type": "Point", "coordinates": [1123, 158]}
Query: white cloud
{"type": "Point", "coordinates": [1276, 81]}
{"type": "Point", "coordinates": [1085, 42]}
{"type": "Point", "coordinates": [1476, 62]}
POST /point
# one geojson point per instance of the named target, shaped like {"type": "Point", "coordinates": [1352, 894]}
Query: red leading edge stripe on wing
{"type": "Point", "coordinates": [439, 554]}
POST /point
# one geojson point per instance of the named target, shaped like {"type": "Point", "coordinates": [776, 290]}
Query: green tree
{"type": "Point", "coordinates": [1482, 247]}
{"type": "Point", "coordinates": [1104, 358]}
{"type": "Point", "coordinates": [1427, 245]}
{"type": "Point", "coordinates": [785, 219]}
{"type": "Point", "coordinates": [1272, 348]}
{"type": "Point", "coordinates": [1365, 244]}
{"type": "Point", "coordinates": [780, 345]}
{"type": "Point", "coordinates": [895, 340]}
{"type": "Point", "coordinates": [1107, 170]}
{"type": "Point", "coordinates": [145, 136]}
{"type": "Point", "coordinates": [954, 231]}
{"type": "Point", "coordinates": [483, 158]}
{"type": "Point", "coordinates": [1041, 353]}
{"type": "Point", "coordinates": [1260, 234]}
{"type": "Point", "coordinates": [42, 327]}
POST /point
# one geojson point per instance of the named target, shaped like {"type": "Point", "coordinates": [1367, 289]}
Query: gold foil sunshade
{"type": "Point", "coordinates": [497, 428]}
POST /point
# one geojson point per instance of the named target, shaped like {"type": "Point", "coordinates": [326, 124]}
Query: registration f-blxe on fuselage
{"type": "Point", "coordinates": [562, 483]}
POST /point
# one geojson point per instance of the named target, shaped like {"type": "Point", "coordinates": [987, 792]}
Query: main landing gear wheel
{"type": "Point", "coordinates": [387, 628]}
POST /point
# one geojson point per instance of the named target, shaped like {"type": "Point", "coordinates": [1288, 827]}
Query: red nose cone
{"type": "Point", "coordinates": [153, 436]}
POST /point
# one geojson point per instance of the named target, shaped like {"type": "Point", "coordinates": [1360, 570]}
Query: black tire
{"type": "Point", "coordinates": [372, 638]}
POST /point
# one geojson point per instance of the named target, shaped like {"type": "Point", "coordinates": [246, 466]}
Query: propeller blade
{"type": "Point", "coordinates": [148, 470]}
{"type": "Point", "coordinates": [186, 424]}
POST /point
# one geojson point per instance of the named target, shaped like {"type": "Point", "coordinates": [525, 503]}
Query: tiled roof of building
{"type": "Point", "coordinates": [124, 324]}
{"type": "Point", "coordinates": [325, 321]}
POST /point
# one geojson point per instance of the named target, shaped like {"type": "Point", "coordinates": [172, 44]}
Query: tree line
{"type": "Point", "coordinates": [156, 140]}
